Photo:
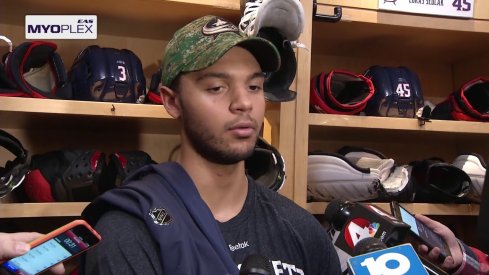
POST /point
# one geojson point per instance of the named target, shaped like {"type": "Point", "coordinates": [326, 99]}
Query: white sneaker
{"type": "Point", "coordinates": [285, 15]}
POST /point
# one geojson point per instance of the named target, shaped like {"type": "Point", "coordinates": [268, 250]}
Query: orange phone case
{"type": "Point", "coordinates": [60, 230]}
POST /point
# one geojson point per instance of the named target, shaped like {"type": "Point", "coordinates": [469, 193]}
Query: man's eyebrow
{"type": "Point", "coordinates": [225, 76]}
{"type": "Point", "coordinates": [257, 75]}
{"type": "Point", "coordinates": [212, 75]}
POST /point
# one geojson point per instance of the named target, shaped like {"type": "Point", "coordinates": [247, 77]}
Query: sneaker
{"type": "Point", "coordinates": [285, 15]}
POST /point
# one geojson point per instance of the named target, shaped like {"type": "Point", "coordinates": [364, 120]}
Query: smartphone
{"type": "Point", "coordinates": [57, 246]}
{"type": "Point", "coordinates": [420, 231]}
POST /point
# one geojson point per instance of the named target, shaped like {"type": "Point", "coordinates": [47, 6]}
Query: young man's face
{"type": "Point", "coordinates": [222, 107]}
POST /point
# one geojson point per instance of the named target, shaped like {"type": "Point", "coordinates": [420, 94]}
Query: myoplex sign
{"type": "Point", "coordinates": [61, 27]}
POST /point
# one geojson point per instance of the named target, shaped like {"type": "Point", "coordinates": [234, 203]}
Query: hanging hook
{"type": "Point", "coordinates": [9, 42]}
{"type": "Point", "coordinates": [425, 116]}
{"type": "Point", "coordinates": [328, 18]}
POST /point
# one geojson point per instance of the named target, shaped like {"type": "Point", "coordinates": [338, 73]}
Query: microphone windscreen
{"type": "Point", "coordinates": [332, 210]}
{"type": "Point", "coordinates": [256, 265]}
{"type": "Point", "coordinates": [369, 244]}
{"type": "Point", "coordinates": [337, 212]}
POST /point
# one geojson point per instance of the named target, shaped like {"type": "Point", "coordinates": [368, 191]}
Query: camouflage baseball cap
{"type": "Point", "coordinates": [204, 41]}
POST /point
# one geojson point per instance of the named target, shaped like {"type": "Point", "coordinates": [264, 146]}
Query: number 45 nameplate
{"type": "Point", "coordinates": [454, 8]}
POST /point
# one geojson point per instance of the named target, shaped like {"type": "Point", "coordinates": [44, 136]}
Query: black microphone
{"type": "Point", "coordinates": [336, 213]}
{"type": "Point", "coordinates": [370, 244]}
{"type": "Point", "coordinates": [256, 265]}
{"type": "Point", "coordinates": [356, 221]}
{"type": "Point", "coordinates": [367, 245]}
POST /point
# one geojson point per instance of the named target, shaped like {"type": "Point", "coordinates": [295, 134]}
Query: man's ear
{"type": "Point", "coordinates": [170, 101]}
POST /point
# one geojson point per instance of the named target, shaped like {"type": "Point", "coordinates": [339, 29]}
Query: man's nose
{"type": "Point", "coordinates": [241, 99]}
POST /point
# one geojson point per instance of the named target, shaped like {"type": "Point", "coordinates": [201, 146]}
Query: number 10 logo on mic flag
{"type": "Point", "coordinates": [396, 260]}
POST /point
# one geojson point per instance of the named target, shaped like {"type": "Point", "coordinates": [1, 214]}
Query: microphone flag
{"type": "Point", "coordinates": [396, 260]}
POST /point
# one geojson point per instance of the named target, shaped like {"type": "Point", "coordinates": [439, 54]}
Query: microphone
{"type": "Point", "coordinates": [337, 213]}
{"type": "Point", "coordinates": [256, 265]}
{"type": "Point", "coordinates": [375, 258]}
{"type": "Point", "coordinates": [351, 222]}
{"type": "Point", "coordinates": [368, 245]}
{"type": "Point", "coordinates": [356, 221]}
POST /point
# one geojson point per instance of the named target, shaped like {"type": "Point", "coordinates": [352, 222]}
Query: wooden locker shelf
{"type": "Point", "coordinates": [74, 209]}
{"type": "Point", "coordinates": [32, 113]}
{"type": "Point", "coordinates": [402, 124]}
{"type": "Point", "coordinates": [73, 107]}
{"type": "Point", "coordinates": [416, 208]}
{"type": "Point", "coordinates": [33, 210]}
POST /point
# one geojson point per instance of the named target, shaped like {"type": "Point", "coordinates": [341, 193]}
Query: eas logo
{"type": "Point", "coordinates": [80, 21]}
{"type": "Point", "coordinates": [358, 229]}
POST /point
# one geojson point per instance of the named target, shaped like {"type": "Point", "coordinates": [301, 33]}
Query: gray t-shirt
{"type": "Point", "coordinates": [273, 226]}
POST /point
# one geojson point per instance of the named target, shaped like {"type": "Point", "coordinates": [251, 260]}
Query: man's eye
{"type": "Point", "coordinates": [255, 88]}
{"type": "Point", "coordinates": [216, 89]}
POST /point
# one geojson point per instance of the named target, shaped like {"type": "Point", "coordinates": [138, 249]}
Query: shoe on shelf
{"type": "Point", "coordinates": [285, 15]}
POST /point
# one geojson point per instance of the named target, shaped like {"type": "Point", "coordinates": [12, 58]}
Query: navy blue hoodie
{"type": "Point", "coordinates": [166, 199]}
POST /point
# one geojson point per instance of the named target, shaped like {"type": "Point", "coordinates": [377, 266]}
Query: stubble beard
{"type": "Point", "coordinates": [209, 146]}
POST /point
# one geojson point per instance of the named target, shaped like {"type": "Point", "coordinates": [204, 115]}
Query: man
{"type": "Point", "coordinates": [203, 215]}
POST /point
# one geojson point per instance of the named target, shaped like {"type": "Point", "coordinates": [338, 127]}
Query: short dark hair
{"type": "Point", "coordinates": [175, 84]}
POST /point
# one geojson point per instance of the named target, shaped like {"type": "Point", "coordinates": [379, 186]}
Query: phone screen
{"type": "Point", "coordinates": [423, 232]}
{"type": "Point", "coordinates": [52, 251]}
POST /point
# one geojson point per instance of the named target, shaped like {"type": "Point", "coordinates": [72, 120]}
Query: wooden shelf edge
{"type": "Point", "coordinates": [67, 209]}
{"type": "Point", "coordinates": [32, 210]}
{"type": "Point", "coordinates": [387, 123]}
{"type": "Point", "coordinates": [73, 107]}
{"type": "Point", "coordinates": [417, 208]}
{"type": "Point", "coordinates": [226, 4]}
{"type": "Point", "coordinates": [480, 10]}
{"type": "Point", "coordinates": [407, 19]}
